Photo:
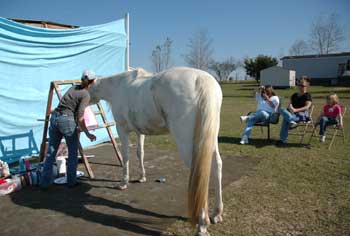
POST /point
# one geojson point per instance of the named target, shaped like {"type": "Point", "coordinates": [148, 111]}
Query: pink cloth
{"type": "Point", "coordinates": [332, 111]}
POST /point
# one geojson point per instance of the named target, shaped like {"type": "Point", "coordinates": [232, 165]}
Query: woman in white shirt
{"type": "Point", "coordinates": [268, 103]}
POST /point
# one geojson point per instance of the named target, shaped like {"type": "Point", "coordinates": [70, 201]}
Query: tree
{"type": "Point", "coordinates": [223, 69]}
{"type": "Point", "coordinates": [254, 66]}
{"type": "Point", "coordinates": [326, 35]}
{"type": "Point", "coordinates": [298, 48]}
{"type": "Point", "coordinates": [161, 56]}
{"type": "Point", "coordinates": [166, 53]}
{"type": "Point", "coordinates": [156, 58]}
{"type": "Point", "coordinates": [200, 51]}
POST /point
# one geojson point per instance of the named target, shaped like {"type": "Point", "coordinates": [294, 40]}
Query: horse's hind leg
{"type": "Point", "coordinates": [216, 174]}
{"type": "Point", "coordinates": [140, 155]}
{"type": "Point", "coordinates": [182, 130]}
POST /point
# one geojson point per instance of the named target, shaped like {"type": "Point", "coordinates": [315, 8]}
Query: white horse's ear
{"type": "Point", "coordinates": [140, 72]}
{"type": "Point", "coordinates": [96, 81]}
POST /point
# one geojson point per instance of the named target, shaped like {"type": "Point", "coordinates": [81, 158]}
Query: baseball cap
{"type": "Point", "coordinates": [89, 75]}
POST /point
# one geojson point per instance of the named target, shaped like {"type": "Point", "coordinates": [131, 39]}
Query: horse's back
{"type": "Point", "coordinates": [179, 86]}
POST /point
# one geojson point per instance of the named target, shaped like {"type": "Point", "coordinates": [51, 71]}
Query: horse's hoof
{"type": "Point", "coordinates": [216, 219]}
{"type": "Point", "coordinates": [121, 187]}
{"type": "Point", "coordinates": [142, 180]}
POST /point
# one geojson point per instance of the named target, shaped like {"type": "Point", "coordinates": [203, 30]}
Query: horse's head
{"type": "Point", "coordinates": [95, 92]}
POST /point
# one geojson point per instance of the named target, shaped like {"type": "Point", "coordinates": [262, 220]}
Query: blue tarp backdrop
{"type": "Point", "coordinates": [32, 57]}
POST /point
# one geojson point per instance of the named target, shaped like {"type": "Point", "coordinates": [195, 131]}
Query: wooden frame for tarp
{"type": "Point", "coordinates": [54, 86]}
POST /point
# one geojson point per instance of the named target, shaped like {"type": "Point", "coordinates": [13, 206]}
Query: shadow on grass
{"type": "Point", "coordinates": [77, 201]}
{"type": "Point", "coordinates": [289, 145]}
{"type": "Point", "coordinates": [258, 143]}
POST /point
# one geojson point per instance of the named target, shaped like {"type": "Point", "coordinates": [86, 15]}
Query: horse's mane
{"type": "Point", "coordinates": [132, 74]}
{"type": "Point", "coordinates": [140, 72]}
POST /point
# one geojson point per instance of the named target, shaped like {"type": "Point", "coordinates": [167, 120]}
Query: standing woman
{"type": "Point", "coordinates": [64, 121]}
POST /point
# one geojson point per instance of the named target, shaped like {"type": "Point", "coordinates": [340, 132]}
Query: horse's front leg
{"type": "Point", "coordinates": [140, 155]}
{"type": "Point", "coordinates": [124, 139]}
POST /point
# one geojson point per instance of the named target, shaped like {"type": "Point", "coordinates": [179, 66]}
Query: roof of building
{"type": "Point", "coordinates": [276, 68]}
{"type": "Point", "coordinates": [341, 54]}
{"type": "Point", "coordinates": [44, 24]}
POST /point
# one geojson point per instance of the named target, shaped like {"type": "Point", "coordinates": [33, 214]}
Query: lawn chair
{"type": "Point", "coordinates": [335, 129]}
{"type": "Point", "coordinates": [274, 119]}
{"type": "Point", "coordinates": [304, 125]}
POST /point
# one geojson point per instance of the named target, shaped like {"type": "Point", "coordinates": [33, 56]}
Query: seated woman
{"type": "Point", "coordinates": [267, 103]}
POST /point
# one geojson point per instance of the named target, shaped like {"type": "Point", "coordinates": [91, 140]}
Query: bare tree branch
{"type": "Point", "coordinates": [326, 35]}
{"type": "Point", "coordinates": [298, 48]}
{"type": "Point", "coordinates": [200, 51]}
{"type": "Point", "coordinates": [223, 69]}
{"type": "Point", "coordinates": [161, 56]}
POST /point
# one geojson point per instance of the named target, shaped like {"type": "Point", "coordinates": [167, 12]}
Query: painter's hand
{"type": "Point", "coordinates": [91, 137]}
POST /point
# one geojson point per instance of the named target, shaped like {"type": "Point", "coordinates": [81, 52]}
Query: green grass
{"type": "Point", "coordinates": [293, 190]}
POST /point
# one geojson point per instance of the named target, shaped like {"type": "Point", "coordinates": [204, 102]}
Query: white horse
{"type": "Point", "coordinates": [187, 103]}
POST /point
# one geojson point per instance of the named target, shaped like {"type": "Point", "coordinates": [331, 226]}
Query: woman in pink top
{"type": "Point", "coordinates": [331, 115]}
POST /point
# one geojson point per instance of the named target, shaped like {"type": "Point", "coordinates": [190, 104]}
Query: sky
{"type": "Point", "coordinates": [237, 28]}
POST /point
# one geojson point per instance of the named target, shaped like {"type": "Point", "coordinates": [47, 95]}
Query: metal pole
{"type": "Point", "coordinates": [127, 50]}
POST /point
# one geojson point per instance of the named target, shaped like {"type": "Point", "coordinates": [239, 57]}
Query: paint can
{"type": "Point", "coordinates": [161, 179]}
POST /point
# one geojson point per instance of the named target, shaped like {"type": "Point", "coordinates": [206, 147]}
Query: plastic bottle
{"type": "Point", "coordinates": [22, 167]}
{"type": "Point", "coordinates": [6, 170]}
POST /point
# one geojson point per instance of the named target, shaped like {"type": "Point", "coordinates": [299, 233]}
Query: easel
{"type": "Point", "coordinates": [54, 86]}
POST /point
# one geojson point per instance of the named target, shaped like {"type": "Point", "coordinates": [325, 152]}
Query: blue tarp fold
{"type": "Point", "coordinates": [32, 57]}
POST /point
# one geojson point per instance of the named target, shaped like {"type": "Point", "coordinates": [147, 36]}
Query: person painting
{"type": "Point", "coordinates": [64, 121]}
{"type": "Point", "coordinates": [298, 109]}
{"type": "Point", "coordinates": [267, 104]}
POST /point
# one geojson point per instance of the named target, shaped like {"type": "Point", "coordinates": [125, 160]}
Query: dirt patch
{"type": "Point", "coordinates": [96, 208]}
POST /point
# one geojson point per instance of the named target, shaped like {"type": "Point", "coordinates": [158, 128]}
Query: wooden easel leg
{"type": "Point", "coordinates": [115, 146]}
{"type": "Point", "coordinates": [111, 137]}
{"type": "Point", "coordinates": [46, 124]}
{"type": "Point", "coordinates": [86, 162]}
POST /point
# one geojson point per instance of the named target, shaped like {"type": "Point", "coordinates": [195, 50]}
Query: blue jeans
{"type": "Point", "coordinates": [289, 117]}
{"type": "Point", "coordinates": [253, 118]}
{"type": "Point", "coordinates": [61, 126]}
{"type": "Point", "coordinates": [326, 121]}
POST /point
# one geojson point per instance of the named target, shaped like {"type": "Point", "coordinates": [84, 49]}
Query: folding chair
{"type": "Point", "coordinates": [274, 119]}
{"type": "Point", "coordinates": [304, 125]}
{"type": "Point", "coordinates": [335, 132]}
{"type": "Point", "coordinates": [267, 125]}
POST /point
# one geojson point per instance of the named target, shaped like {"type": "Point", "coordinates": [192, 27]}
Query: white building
{"type": "Point", "coordinates": [322, 69]}
{"type": "Point", "coordinates": [278, 77]}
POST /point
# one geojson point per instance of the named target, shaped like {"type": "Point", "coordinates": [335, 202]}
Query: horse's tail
{"type": "Point", "coordinates": [205, 132]}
